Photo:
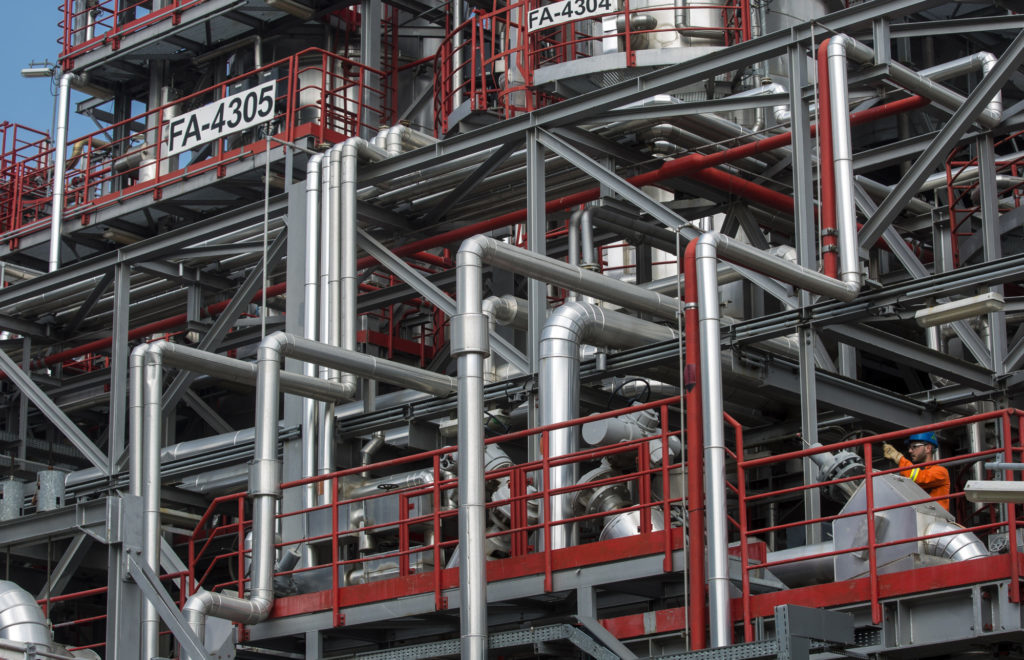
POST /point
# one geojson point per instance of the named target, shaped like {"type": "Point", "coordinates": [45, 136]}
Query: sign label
{"type": "Point", "coordinates": [558, 13]}
{"type": "Point", "coordinates": [233, 113]}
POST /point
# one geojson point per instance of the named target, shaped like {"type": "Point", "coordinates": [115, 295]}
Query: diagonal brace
{"type": "Point", "coordinates": [53, 413]}
{"type": "Point", "coordinates": [151, 588]}
{"type": "Point", "coordinates": [467, 184]}
{"type": "Point", "coordinates": [436, 296]}
{"type": "Point", "coordinates": [215, 335]}
{"type": "Point", "coordinates": [939, 148]}
{"type": "Point", "coordinates": [609, 179]}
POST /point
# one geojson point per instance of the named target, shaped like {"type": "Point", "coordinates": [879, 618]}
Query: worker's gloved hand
{"type": "Point", "coordinates": [891, 452]}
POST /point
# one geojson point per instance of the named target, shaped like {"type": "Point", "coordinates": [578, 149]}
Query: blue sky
{"type": "Point", "coordinates": [30, 33]}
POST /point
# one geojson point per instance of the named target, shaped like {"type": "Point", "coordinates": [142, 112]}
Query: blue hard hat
{"type": "Point", "coordinates": [927, 436]}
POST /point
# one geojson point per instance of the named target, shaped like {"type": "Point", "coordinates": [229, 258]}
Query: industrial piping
{"type": "Point", "coordinates": [265, 473]}
{"type": "Point", "coordinates": [310, 319]}
{"type": "Point", "coordinates": [470, 346]}
{"type": "Point", "coordinates": [569, 326]}
{"type": "Point", "coordinates": [146, 424]}
{"type": "Point", "coordinates": [57, 202]}
{"type": "Point", "coordinates": [21, 618]}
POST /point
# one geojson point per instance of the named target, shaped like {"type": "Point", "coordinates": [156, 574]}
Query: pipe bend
{"type": "Point", "coordinates": [275, 345]}
{"type": "Point", "coordinates": [473, 250]}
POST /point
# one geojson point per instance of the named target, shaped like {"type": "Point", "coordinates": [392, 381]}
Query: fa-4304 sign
{"type": "Point", "coordinates": [230, 114]}
{"type": "Point", "coordinates": [568, 10]}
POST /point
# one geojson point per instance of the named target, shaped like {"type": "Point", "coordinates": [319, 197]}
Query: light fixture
{"type": "Point", "coordinates": [120, 236]}
{"type": "Point", "coordinates": [294, 8]}
{"type": "Point", "coordinates": [35, 70]}
{"type": "Point", "coordinates": [994, 491]}
{"type": "Point", "coordinates": [957, 310]}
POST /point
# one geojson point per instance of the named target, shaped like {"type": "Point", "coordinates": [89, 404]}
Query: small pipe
{"type": "Point", "coordinates": [60, 153]}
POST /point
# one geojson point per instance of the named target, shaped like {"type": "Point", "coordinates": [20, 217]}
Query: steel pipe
{"type": "Point", "coordinates": [310, 320]}
{"type": "Point", "coordinates": [566, 329]}
{"type": "Point", "coordinates": [705, 253]}
{"type": "Point", "coordinates": [59, 164]}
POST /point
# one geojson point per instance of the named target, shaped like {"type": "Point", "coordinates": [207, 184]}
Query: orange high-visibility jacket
{"type": "Point", "coordinates": [934, 479]}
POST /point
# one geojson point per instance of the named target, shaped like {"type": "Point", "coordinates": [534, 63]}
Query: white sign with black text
{"type": "Point", "coordinates": [562, 12]}
{"type": "Point", "coordinates": [230, 114]}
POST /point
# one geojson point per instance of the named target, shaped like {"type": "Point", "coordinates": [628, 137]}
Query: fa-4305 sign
{"type": "Point", "coordinates": [568, 10]}
{"type": "Point", "coordinates": [230, 114]}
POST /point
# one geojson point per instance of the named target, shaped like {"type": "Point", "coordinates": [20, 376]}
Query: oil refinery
{"type": "Point", "coordinates": [524, 329]}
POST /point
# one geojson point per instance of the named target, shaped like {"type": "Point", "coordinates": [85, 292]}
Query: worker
{"type": "Point", "coordinates": [922, 447]}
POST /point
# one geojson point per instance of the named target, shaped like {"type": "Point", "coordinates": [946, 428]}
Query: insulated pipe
{"type": "Point", "coordinates": [146, 473]}
{"type": "Point", "coordinates": [400, 138]}
{"type": "Point", "coordinates": [502, 310]}
{"type": "Point", "coordinates": [703, 254]}
{"type": "Point", "coordinates": [980, 60]}
{"type": "Point", "coordinates": [60, 153]}
{"type": "Point", "coordinates": [566, 329]}
{"type": "Point", "coordinates": [265, 475]}
{"type": "Point", "coordinates": [311, 317]}
{"type": "Point", "coordinates": [342, 281]}
{"type": "Point", "coordinates": [470, 346]}
{"type": "Point", "coordinates": [21, 618]}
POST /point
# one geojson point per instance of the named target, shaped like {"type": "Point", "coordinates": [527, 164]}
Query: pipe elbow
{"type": "Point", "coordinates": [154, 355]}
{"type": "Point", "coordinates": [707, 245]}
{"type": "Point", "coordinates": [274, 345]}
{"type": "Point", "coordinates": [563, 331]}
{"type": "Point", "coordinates": [197, 607]}
{"type": "Point", "coordinates": [138, 355]}
{"type": "Point", "coordinates": [473, 250]}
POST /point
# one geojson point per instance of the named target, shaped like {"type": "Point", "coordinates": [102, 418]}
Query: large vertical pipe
{"type": "Point", "coordinates": [311, 319]}
{"type": "Point", "coordinates": [469, 345]}
{"type": "Point", "coordinates": [566, 329]}
{"type": "Point", "coordinates": [153, 422]}
{"type": "Point", "coordinates": [702, 262]}
{"type": "Point", "coordinates": [457, 59]}
{"type": "Point", "coordinates": [59, 163]}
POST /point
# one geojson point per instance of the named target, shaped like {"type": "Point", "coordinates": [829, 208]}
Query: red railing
{"type": "Point", "coordinates": [503, 49]}
{"type": "Point", "coordinates": [414, 519]}
{"type": "Point", "coordinates": [25, 171]}
{"type": "Point", "coordinates": [78, 619]}
{"type": "Point", "coordinates": [963, 188]}
{"type": "Point", "coordinates": [316, 94]}
{"type": "Point", "coordinates": [1007, 447]}
{"type": "Point", "coordinates": [88, 24]}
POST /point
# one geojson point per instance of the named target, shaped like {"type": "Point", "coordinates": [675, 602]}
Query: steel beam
{"type": "Point", "coordinates": [83, 310]}
{"type": "Point", "coordinates": [69, 562]}
{"type": "Point", "coordinates": [433, 294]}
{"type": "Point", "coordinates": [53, 413]}
{"type": "Point", "coordinates": [155, 593]}
{"type": "Point", "coordinates": [939, 148]}
{"type": "Point", "coordinates": [699, 69]}
{"type": "Point", "coordinates": [239, 301]}
{"type": "Point", "coordinates": [903, 351]}
{"type": "Point", "coordinates": [203, 409]}
{"type": "Point", "coordinates": [466, 185]}
{"type": "Point", "coordinates": [151, 248]}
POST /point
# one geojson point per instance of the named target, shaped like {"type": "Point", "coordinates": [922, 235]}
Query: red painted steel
{"type": "Point", "coordinates": [876, 585]}
{"type": "Point", "coordinates": [208, 553]}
